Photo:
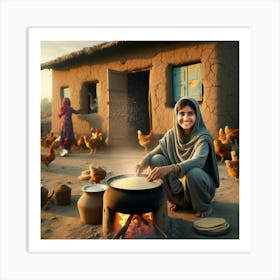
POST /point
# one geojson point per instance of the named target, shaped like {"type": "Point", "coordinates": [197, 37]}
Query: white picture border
{"type": "Point", "coordinates": [244, 36]}
{"type": "Point", "coordinates": [261, 262]}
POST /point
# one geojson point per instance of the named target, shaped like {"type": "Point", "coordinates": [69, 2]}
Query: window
{"type": "Point", "coordinates": [186, 81]}
{"type": "Point", "coordinates": [64, 92]}
{"type": "Point", "coordinates": [89, 97]}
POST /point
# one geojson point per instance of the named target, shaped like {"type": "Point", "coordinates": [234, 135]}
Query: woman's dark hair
{"type": "Point", "coordinates": [185, 102]}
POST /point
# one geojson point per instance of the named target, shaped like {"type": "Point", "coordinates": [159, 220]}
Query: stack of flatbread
{"type": "Point", "coordinates": [211, 226]}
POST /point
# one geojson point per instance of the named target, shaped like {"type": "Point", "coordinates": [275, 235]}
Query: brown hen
{"type": "Point", "coordinates": [96, 174]}
{"type": "Point", "coordinates": [233, 134]}
{"type": "Point", "coordinates": [233, 165]}
{"type": "Point", "coordinates": [56, 143]}
{"type": "Point", "coordinates": [49, 139]}
{"type": "Point", "coordinates": [46, 159]}
{"type": "Point", "coordinates": [222, 150]}
{"type": "Point", "coordinates": [145, 140]}
{"type": "Point", "coordinates": [92, 144]}
{"type": "Point", "coordinates": [81, 143]}
{"type": "Point", "coordinates": [222, 135]}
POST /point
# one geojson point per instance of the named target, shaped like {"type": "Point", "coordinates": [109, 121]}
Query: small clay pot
{"type": "Point", "coordinates": [62, 194]}
{"type": "Point", "coordinates": [90, 204]}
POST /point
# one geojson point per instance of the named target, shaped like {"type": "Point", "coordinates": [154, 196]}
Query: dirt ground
{"type": "Point", "coordinates": [63, 222]}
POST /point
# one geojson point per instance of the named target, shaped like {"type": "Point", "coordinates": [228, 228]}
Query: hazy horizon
{"type": "Point", "coordinates": [53, 49]}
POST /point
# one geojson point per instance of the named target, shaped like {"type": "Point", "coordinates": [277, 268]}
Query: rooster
{"type": "Point", "coordinates": [145, 140]}
{"type": "Point", "coordinates": [96, 174]}
{"type": "Point", "coordinates": [222, 150]}
{"type": "Point", "coordinates": [46, 159]}
{"type": "Point", "coordinates": [233, 165]}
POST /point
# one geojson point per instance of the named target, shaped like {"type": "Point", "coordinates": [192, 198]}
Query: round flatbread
{"type": "Point", "coordinates": [134, 183]}
{"type": "Point", "coordinates": [214, 232]}
{"type": "Point", "coordinates": [209, 222]}
{"type": "Point", "coordinates": [211, 226]}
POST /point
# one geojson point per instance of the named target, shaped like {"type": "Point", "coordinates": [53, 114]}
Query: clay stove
{"type": "Point", "coordinates": [149, 206]}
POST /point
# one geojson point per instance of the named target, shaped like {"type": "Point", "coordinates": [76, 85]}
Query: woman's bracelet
{"type": "Point", "coordinates": [175, 169]}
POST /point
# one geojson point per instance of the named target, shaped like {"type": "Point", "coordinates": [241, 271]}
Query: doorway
{"type": "Point", "coordinates": [129, 107]}
{"type": "Point", "coordinates": [139, 116]}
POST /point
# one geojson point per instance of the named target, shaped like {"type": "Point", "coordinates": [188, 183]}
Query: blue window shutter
{"type": "Point", "coordinates": [194, 81]}
{"type": "Point", "coordinates": [179, 83]}
{"type": "Point", "coordinates": [187, 82]}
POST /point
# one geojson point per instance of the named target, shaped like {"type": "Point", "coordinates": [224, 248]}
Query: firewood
{"type": "Point", "coordinates": [124, 228]}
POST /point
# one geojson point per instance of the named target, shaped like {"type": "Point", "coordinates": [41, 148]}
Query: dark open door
{"type": "Point", "coordinates": [139, 115]}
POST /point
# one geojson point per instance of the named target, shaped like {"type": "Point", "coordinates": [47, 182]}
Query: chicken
{"type": "Point", "coordinates": [49, 139]}
{"type": "Point", "coordinates": [46, 159]}
{"type": "Point", "coordinates": [233, 165]}
{"type": "Point", "coordinates": [145, 140]}
{"type": "Point", "coordinates": [222, 150]}
{"type": "Point", "coordinates": [43, 141]}
{"type": "Point", "coordinates": [226, 140]}
{"type": "Point", "coordinates": [233, 134]}
{"type": "Point", "coordinates": [234, 156]}
{"type": "Point", "coordinates": [96, 174]}
{"type": "Point", "coordinates": [96, 134]}
{"type": "Point", "coordinates": [56, 143]}
{"type": "Point", "coordinates": [92, 144]}
{"type": "Point", "coordinates": [81, 143]}
{"type": "Point", "coordinates": [222, 135]}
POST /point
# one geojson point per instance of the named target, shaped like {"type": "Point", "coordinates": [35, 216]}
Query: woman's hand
{"type": "Point", "coordinates": [159, 172]}
{"type": "Point", "coordinates": [140, 167]}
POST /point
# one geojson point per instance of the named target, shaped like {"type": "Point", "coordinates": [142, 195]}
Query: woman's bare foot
{"type": "Point", "coordinates": [205, 213]}
{"type": "Point", "coordinates": [173, 207]}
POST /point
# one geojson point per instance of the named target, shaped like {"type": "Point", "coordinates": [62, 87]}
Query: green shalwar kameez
{"type": "Point", "coordinates": [195, 185]}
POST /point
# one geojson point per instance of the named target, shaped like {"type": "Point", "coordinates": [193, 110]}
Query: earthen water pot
{"type": "Point", "coordinates": [90, 204]}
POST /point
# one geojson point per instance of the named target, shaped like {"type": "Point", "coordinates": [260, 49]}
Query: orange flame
{"type": "Point", "coordinates": [138, 226]}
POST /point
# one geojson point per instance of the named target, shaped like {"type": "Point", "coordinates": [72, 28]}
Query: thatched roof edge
{"type": "Point", "coordinates": [83, 52]}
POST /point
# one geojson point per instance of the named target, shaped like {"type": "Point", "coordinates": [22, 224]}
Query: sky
{"type": "Point", "coordinates": [53, 49]}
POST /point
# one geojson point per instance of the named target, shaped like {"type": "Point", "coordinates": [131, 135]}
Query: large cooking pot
{"type": "Point", "coordinates": [133, 194]}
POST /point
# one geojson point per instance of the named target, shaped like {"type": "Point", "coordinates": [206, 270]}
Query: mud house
{"type": "Point", "coordinates": [123, 86]}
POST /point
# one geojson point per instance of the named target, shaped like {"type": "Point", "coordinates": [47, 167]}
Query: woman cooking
{"type": "Point", "coordinates": [186, 161]}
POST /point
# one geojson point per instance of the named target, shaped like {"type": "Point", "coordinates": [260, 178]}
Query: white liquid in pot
{"type": "Point", "coordinates": [134, 183]}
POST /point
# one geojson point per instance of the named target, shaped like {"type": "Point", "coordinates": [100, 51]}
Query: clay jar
{"type": "Point", "coordinates": [62, 194]}
{"type": "Point", "coordinates": [90, 204]}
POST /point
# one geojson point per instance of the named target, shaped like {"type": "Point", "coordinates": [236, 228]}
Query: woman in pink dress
{"type": "Point", "coordinates": [66, 125]}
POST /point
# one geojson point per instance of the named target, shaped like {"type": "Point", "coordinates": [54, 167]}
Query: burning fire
{"type": "Point", "coordinates": [140, 225]}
